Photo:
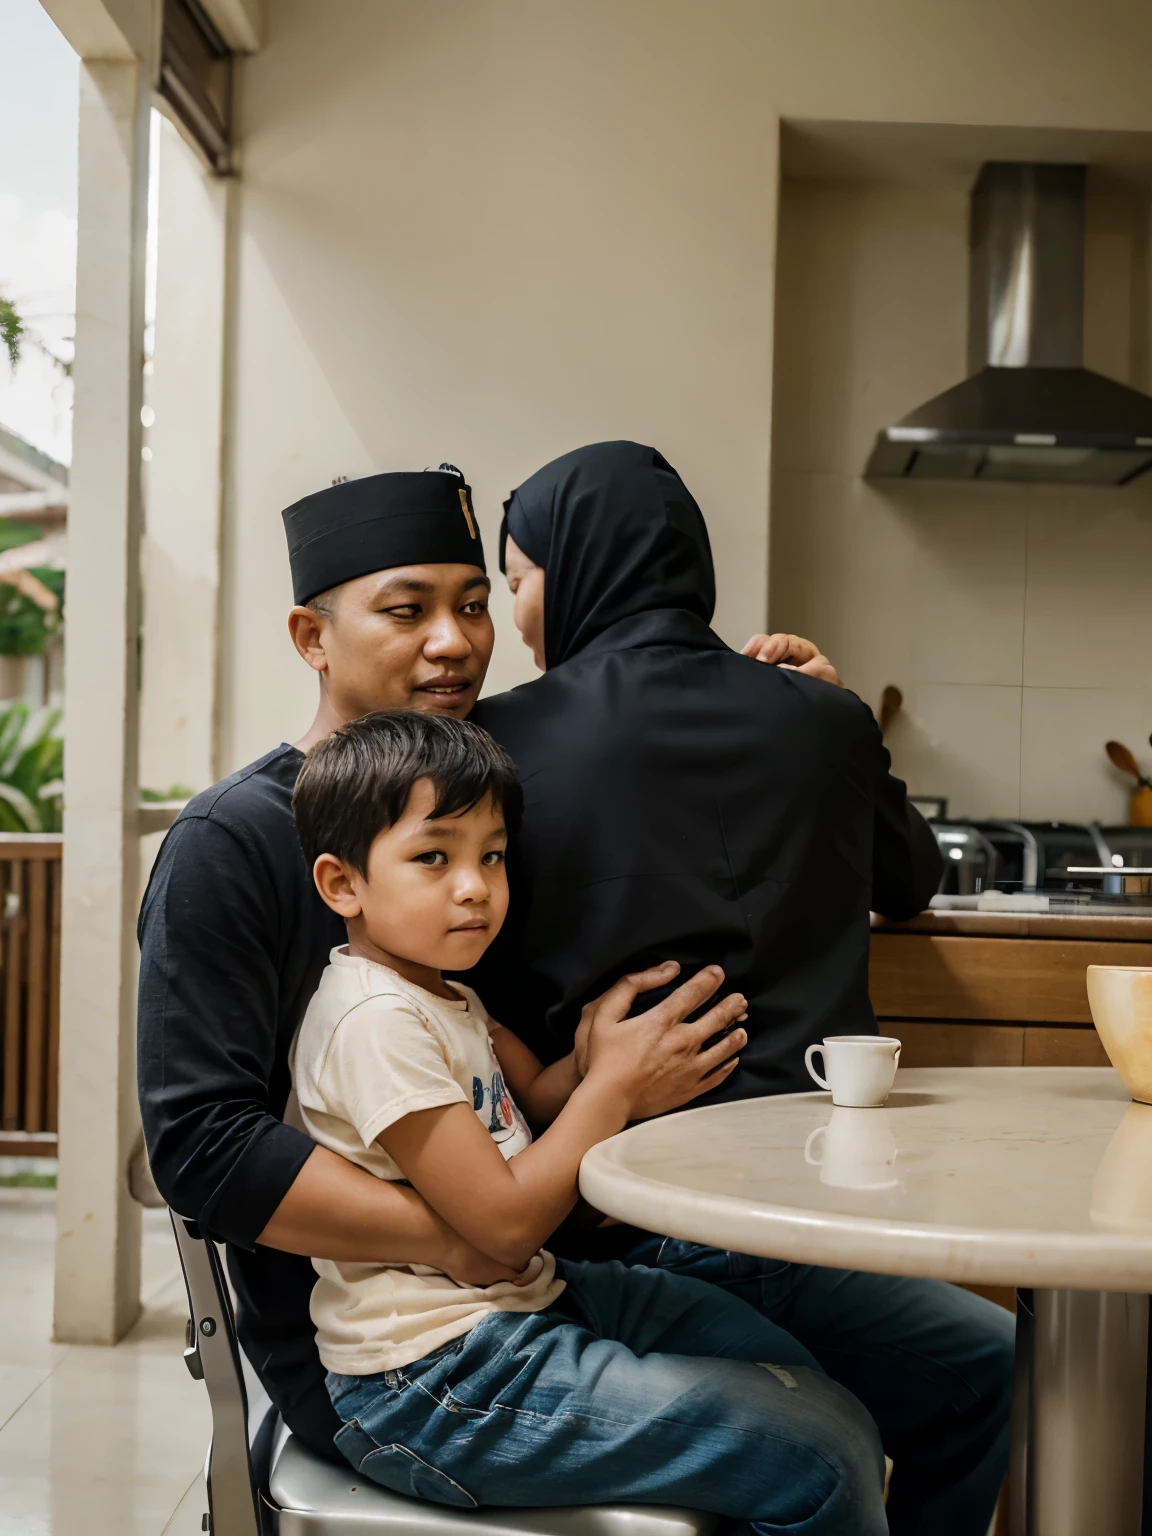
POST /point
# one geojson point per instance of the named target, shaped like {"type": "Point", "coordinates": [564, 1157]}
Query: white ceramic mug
{"type": "Point", "coordinates": [861, 1068]}
{"type": "Point", "coordinates": [855, 1150]}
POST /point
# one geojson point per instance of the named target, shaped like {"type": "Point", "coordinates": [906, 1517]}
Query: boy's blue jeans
{"type": "Point", "coordinates": [638, 1386]}
{"type": "Point", "coordinates": [931, 1363]}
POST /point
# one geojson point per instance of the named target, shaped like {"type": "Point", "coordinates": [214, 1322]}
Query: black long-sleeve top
{"type": "Point", "coordinates": [683, 802]}
{"type": "Point", "coordinates": [233, 938]}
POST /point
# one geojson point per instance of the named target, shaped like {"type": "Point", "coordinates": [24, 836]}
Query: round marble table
{"type": "Point", "coordinates": [1039, 1177]}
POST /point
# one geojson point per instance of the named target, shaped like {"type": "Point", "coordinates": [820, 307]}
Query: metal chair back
{"type": "Point", "coordinates": [212, 1355]}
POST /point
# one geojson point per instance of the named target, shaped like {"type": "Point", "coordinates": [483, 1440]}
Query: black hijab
{"type": "Point", "coordinates": [618, 534]}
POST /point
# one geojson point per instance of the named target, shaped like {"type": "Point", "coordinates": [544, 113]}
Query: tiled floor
{"type": "Point", "coordinates": [94, 1442]}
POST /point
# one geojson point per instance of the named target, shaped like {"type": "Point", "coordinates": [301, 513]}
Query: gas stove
{"type": "Point", "coordinates": [1050, 866]}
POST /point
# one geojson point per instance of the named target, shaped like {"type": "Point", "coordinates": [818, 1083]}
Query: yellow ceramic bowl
{"type": "Point", "coordinates": [1120, 997]}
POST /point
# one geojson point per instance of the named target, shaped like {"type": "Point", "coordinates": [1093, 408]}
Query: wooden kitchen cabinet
{"type": "Point", "coordinates": [934, 1043]}
{"type": "Point", "coordinates": [974, 989]}
{"type": "Point", "coordinates": [948, 1043]}
{"type": "Point", "coordinates": [953, 976]}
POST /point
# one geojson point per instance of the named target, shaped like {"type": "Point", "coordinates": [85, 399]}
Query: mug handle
{"type": "Point", "coordinates": [812, 1072]}
{"type": "Point", "coordinates": [816, 1162]}
{"type": "Point", "coordinates": [896, 1058]}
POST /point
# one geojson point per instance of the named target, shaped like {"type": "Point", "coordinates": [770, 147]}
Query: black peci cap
{"type": "Point", "coordinates": [360, 526]}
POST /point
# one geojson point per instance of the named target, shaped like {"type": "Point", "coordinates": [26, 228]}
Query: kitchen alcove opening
{"type": "Point", "coordinates": [967, 596]}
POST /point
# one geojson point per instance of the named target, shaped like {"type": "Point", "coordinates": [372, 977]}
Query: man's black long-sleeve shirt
{"type": "Point", "coordinates": [233, 938]}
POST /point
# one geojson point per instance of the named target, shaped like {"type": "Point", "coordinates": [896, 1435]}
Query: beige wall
{"type": "Point", "coordinates": [180, 550]}
{"type": "Point", "coordinates": [484, 233]}
{"type": "Point", "coordinates": [1015, 619]}
{"type": "Point", "coordinates": [490, 230]}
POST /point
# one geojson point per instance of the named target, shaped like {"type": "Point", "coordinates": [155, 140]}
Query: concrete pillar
{"type": "Point", "coordinates": [181, 551]}
{"type": "Point", "coordinates": [98, 1224]}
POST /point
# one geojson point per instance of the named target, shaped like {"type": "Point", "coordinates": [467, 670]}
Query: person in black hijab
{"type": "Point", "coordinates": [684, 802]}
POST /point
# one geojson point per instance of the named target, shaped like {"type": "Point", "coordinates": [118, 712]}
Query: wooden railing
{"type": "Point", "coordinates": [30, 870]}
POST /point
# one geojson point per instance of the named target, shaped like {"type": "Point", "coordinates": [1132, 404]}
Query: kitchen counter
{"type": "Point", "coordinates": [1024, 925]}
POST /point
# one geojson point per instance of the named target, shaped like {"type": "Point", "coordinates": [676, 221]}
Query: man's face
{"type": "Point", "coordinates": [414, 637]}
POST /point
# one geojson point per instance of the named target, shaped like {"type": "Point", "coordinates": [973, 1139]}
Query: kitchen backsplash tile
{"type": "Point", "coordinates": [968, 591]}
{"type": "Point", "coordinates": [962, 741]}
{"type": "Point", "coordinates": [1064, 772]}
{"type": "Point", "coordinates": [1088, 611]}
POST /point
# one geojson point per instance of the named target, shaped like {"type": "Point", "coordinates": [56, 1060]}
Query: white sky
{"type": "Point", "coordinates": [38, 131]}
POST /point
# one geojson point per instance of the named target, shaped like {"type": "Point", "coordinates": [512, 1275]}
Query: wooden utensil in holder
{"type": "Point", "coordinates": [891, 703]}
{"type": "Point", "coordinates": [1140, 805]}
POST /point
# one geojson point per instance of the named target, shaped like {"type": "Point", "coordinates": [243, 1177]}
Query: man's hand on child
{"type": "Point", "coordinates": [656, 1060]}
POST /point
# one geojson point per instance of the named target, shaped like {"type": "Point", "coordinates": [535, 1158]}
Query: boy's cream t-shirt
{"type": "Point", "coordinates": [371, 1049]}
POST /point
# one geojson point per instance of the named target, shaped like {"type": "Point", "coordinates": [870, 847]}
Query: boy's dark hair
{"type": "Point", "coordinates": [356, 782]}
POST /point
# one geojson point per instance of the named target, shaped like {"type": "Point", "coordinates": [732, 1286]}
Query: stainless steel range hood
{"type": "Point", "coordinates": [1030, 410]}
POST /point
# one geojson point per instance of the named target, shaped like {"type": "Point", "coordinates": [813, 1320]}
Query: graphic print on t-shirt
{"type": "Point", "coordinates": [504, 1120]}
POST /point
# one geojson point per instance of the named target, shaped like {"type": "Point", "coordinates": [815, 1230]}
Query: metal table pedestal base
{"type": "Point", "coordinates": [1078, 1413]}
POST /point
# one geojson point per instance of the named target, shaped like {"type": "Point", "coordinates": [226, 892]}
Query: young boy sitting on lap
{"type": "Point", "coordinates": [582, 1383]}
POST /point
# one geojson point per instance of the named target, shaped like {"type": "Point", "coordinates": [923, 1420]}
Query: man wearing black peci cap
{"type": "Point", "coordinates": [234, 937]}
{"type": "Point", "coordinates": [405, 552]}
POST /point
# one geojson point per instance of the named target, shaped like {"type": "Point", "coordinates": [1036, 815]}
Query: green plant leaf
{"type": "Point", "coordinates": [25, 627]}
{"type": "Point", "coordinates": [24, 731]}
{"type": "Point", "coordinates": [15, 804]}
{"type": "Point", "coordinates": [31, 761]}
{"type": "Point", "coordinates": [13, 718]}
{"type": "Point", "coordinates": [174, 792]}
{"type": "Point", "coordinates": [13, 535]}
{"type": "Point", "coordinates": [11, 330]}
